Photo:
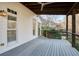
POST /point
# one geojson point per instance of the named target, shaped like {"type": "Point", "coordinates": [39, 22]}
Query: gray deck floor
{"type": "Point", "coordinates": [43, 47]}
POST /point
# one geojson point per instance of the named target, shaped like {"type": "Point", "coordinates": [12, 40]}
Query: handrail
{"type": "Point", "coordinates": [72, 33]}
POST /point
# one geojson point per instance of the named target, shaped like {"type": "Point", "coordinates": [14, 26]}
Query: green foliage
{"type": "Point", "coordinates": [77, 46]}
{"type": "Point", "coordinates": [53, 34]}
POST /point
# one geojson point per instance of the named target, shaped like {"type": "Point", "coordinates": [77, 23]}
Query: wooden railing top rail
{"type": "Point", "coordinates": [72, 33]}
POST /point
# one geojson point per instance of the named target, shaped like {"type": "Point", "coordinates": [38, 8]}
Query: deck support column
{"type": "Point", "coordinates": [73, 29]}
{"type": "Point", "coordinates": [67, 27]}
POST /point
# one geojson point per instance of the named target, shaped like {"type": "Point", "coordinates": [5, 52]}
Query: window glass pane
{"type": "Point", "coordinates": [11, 18]}
{"type": "Point", "coordinates": [34, 27]}
{"type": "Point", "coordinates": [11, 32]}
{"type": "Point", "coordinates": [11, 22]}
{"type": "Point", "coordinates": [39, 29]}
{"type": "Point", "coordinates": [11, 35]}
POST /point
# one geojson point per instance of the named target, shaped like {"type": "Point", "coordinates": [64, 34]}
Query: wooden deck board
{"type": "Point", "coordinates": [43, 47]}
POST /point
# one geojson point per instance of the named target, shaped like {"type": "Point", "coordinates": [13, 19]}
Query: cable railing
{"type": "Point", "coordinates": [70, 38]}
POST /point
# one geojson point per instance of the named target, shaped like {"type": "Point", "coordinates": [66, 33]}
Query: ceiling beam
{"type": "Point", "coordinates": [59, 13]}
{"type": "Point", "coordinates": [72, 7]}
{"type": "Point", "coordinates": [58, 7]}
{"type": "Point", "coordinates": [54, 8]}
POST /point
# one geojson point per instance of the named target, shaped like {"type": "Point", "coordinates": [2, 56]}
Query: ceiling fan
{"type": "Point", "coordinates": [43, 4]}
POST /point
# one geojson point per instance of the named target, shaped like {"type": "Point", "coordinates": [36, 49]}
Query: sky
{"type": "Point", "coordinates": [55, 18]}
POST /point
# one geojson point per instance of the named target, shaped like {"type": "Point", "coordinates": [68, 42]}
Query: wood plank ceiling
{"type": "Point", "coordinates": [56, 8]}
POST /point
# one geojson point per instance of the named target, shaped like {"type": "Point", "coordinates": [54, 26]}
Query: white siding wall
{"type": "Point", "coordinates": [24, 25]}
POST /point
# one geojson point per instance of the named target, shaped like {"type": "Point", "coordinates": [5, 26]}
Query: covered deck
{"type": "Point", "coordinates": [44, 47]}
{"type": "Point", "coordinates": [58, 8]}
{"type": "Point", "coordinates": [50, 47]}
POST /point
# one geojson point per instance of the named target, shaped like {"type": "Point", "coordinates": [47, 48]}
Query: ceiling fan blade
{"type": "Point", "coordinates": [48, 3]}
{"type": "Point", "coordinates": [39, 2]}
{"type": "Point", "coordinates": [42, 6]}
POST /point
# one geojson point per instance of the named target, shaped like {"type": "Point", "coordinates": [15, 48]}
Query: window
{"type": "Point", "coordinates": [38, 29]}
{"type": "Point", "coordinates": [11, 32]}
{"type": "Point", "coordinates": [11, 35]}
{"type": "Point", "coordinates": [34, 27]}
{"type": "Point", "coordinates": [11, 22]}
